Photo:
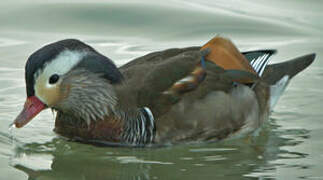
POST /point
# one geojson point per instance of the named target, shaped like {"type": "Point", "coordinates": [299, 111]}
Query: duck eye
{"type": "Point", "coordinates": [53, 79]}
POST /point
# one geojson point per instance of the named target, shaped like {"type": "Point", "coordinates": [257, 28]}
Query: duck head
{"type": "Point", "coordinates": [71, 77]}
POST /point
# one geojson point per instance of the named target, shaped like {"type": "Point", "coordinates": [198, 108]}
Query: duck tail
{"type": "Point", "coordinates": [278, 75]}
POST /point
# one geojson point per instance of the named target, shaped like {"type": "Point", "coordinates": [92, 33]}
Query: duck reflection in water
{"type": "Point", "coordinates": [70, 160]}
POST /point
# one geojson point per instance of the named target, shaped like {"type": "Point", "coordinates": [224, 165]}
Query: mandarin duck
{"type": "Point", "coordinates": [191, 94]}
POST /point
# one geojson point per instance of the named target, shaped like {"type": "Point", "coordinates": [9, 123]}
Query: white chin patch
{"type": "Point", "coordinates": [277, 90]}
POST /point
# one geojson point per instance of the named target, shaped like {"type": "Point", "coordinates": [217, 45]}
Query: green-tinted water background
{"type": "Point", "coordinates": [288, 147]}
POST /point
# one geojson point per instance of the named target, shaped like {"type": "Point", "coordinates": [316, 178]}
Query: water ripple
{"type": "Point", "coordinates": [212, 149]}
{"type": "Point", "coordinates": [133, 159]}
{"type": "Point", "coordinates": [10, 42]}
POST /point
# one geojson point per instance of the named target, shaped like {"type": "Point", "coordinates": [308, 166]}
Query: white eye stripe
{"type": "Point", "coordinates": [62, 64]}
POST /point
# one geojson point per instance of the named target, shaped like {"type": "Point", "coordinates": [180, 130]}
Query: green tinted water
{"type": "Point", "coordinates": [288, 147]}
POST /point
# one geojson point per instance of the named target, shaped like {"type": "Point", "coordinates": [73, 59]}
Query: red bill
{"type": "Point", "coordinates": [32, 107]}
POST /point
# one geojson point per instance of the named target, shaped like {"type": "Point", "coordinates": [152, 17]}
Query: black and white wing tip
{"type": "Point", "coordinates": [259, 59]}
